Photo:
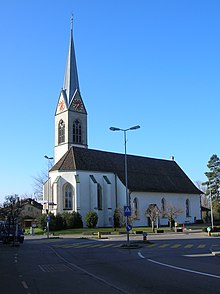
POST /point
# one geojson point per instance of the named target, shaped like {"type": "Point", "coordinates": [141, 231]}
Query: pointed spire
{"type": "Point", "coordinates": [71, 83]}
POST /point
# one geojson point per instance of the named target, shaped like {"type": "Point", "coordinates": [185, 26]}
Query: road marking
{"type": "Point", "coordinates": [184, 269]}
{"type": "Point", "coordinates": [89, 273]}
{"type": "Point", "coordinates": [188, 246]}
{"type": "Point", "coordinates": [164, 245]}
{"type": "Point", "coordinates": [199, 255]}
{"type": "Point", "coordinates": [24, 284]}
{"type": "Point", "coordinates": [141, 256]}
{"type": "Point", "coordinates": [151, 245]}
{"type": "Point", "coordinates": [176, 246]}
{"type": "Point", "coordinates": [201, 246]}
{"type": "Point", "coordinates": [107, 245]}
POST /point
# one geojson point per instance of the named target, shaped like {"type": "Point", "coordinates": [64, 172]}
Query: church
{"type": "Point", "coordinates": [84, 179]}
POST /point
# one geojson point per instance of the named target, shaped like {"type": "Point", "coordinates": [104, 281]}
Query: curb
{"type": "Point", "coordinates": [215, 251]}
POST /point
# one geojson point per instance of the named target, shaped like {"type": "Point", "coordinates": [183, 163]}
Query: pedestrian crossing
{"type": "Point", "coordinates": [118, 245]}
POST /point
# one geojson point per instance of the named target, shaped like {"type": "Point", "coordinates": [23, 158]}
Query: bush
{"type": "Point", "coordinates": [60, 223]}
{"type": "Point", "coordinates": [117, 223]}
{"type": "Point", "coordinates": [42, 222]}
{"type": "Point", "coordinates": [72, 220]}
{"type": "Point", "coordinates": [91, 219]}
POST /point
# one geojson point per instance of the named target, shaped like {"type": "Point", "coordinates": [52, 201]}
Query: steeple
{"type": "Point", "coordinates": [71, 83]}
{"type": "Point", "coordinates": [70, 115]}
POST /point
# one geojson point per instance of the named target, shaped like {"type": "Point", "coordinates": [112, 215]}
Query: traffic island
{"type": "Point", "coordinates": [215, 250]}
{"type": "Point", "coordinates": [131, 246]}
{"type": "Point", "coordinates": [135, 245]}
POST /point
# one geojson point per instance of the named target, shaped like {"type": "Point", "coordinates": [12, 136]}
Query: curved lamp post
{"type": "Point", "coordinates": [126, 166]}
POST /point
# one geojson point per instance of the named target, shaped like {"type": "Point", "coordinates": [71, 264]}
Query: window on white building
{"type": "Point", "coordinates": [106, 179]}
{"type": "Point", "coordinates": [61, 132]}
{"type": "Point", "coordinates": [135, 208]}
{"type": "Point", "coordinates": [77, 132]}
{"type": "Point", "coordinates": [68, 197]}
{"type": "Point", "coordinates": [99, 196]}
{"type": "Point", "coordinates": [187, 208]}
{"type": "Point", "coordinates": [163, 207]}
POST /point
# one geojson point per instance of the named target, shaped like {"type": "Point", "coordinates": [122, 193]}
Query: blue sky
{"type": "Point", "coordinates": [155, 63]}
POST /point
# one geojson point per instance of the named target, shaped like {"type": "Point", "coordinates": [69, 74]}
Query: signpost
{"type": "Point", "coordinates": [127, 210]}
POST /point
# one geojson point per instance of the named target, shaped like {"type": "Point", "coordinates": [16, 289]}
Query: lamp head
{"type": "Point", "coordinates": [134, 127]}
{"type": "Point", "coordinates": [114, 129]}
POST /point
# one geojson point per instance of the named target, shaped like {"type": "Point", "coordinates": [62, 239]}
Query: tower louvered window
{"type": "Point", "coordinates": [77, 132]}
{"type": "Point", "coordinates": [61, 132]}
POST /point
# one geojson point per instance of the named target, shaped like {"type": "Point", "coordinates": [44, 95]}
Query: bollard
{"type": "Point", "coordinates": [99, 235]}
{"type": "Point", "coordinates": [144, 236]}
{"type": "Point", "coordinates": [209, 231]}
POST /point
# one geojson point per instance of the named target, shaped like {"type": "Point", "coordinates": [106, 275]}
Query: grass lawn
{"type": "Point", "coordinates": [87, 231]}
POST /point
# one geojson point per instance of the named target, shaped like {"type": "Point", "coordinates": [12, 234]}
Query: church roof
{"type": "Point", "coordinates": [71, 83]}
{"type": "Point", "coordinates": [144, 174]}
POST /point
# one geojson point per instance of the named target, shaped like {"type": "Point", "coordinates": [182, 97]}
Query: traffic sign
{"type": "Point", "coordinates": [128, 227]}
{"type": "Point", "coordinates": [127, 210]}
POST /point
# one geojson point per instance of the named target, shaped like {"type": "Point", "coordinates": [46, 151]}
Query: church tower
{"type": "Point", "coordinates": [71, 115]}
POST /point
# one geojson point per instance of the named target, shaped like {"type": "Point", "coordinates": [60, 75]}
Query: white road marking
{"type": "Point", "coordinates": [184, 269]}
{"type": "Point", "coordinates": [89, 273]}
{"type": "Point", "coordinates": [141, 256]}
{"type": "Point", "coordinates": [199, 255]}
{"type": "Point", "coordinates": [24, 284]}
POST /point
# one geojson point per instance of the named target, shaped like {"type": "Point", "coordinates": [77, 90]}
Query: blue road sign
{"type": "Point", "coordinates": [128, 227]}
{"type": "Point", "coordinates": [127, 210]}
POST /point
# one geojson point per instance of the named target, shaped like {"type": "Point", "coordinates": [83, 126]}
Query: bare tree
{"type": "Point", "coordinates": [171, 212]}
{"type": "Point", "coordinates": [204, 197]}
{"type": "Point", "coordinates": [38, 184]}
{"type": "Point", "coordinates": [152, 212]}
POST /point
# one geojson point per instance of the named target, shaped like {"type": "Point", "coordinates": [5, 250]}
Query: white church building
{"type": "Point", "coordinates": [84, 179]}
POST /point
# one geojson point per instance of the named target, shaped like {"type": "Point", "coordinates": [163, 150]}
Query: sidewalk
{"type": "Point", "coordinates": [133, 237]}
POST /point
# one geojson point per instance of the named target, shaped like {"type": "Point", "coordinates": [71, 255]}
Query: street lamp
{"type": "Point", "coordinates": [126, 167]}
{"type": "Point", "coordinates": [48, 192]}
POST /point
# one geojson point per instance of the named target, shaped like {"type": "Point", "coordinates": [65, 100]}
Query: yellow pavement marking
{"type": "Point", "coordinates": [83, 245]}
{"type": "Point", "coordinates": [96, 245]}
{"type": "Point", "coordinates": [115, 246]}
{"type": "Point", "coordinates": [201, 246]}
{"type": "Point", "coordinates": [164, 245]}
{"type": "Point", "coordinates": [107, 245]}
{"type": "Point", "coordinates": [151, 245]}
{"type": "Point", "coordinates": [188, 246]}
{"type": "Point", "coordinates": [176, 246]}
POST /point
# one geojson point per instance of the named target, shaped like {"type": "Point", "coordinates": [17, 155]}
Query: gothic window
{"type": "Point", "coordinates": [99, 196]}
{"type": "Point", "coordinates": [187, 208]}
{"type": "Point", "coordinates": [68, 197]}
{"type": "Point", "coordinates": [163, 206]}
{"type": "Point", "coordinates": [135, 207]}
{"type": "Point", "coordinates": [77, 132]}
{"type": "Point", "coordinates": [61, 132]}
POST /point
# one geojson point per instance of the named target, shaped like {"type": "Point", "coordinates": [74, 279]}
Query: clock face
{"type": "Point", "coordinates": [77, 105]}
{"type": "Point", "coordinates": [61, 105]}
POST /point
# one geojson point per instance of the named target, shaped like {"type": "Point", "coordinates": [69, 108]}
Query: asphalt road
{"type": "Point", "coordinates": [165, 264]}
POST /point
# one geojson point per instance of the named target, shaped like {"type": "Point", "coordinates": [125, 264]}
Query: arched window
{"type": "Point", "coordinates": [99, 196]}
{"type": "Point", "coordinates": [61, 132]}
{"type": "Point", "coordinates": [135, 207]}
{"type": "Point", "coordinates": [77, 132]}
{"type": "Point", "coordinates": [68, 197]}
{"type": "Point", "coordinates": [163, 206]}
{"type": "Point", "coordinates": [187, 208]}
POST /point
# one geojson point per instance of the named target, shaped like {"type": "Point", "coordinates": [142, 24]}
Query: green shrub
{"type": "Point", "coordinates": [72, 220]}
{"type": "Point", "coordinates": [91, 219]}
{"type": "Point", "coordinates": [117, 223]}
{"type": "Point", "coordinates": [42, 222]}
